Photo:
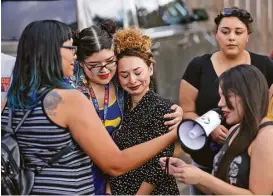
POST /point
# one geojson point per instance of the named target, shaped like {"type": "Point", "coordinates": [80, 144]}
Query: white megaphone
{"type": "Point", "coordinates": [193, 134]}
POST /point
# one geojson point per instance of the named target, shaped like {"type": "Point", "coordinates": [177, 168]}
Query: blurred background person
{"type": "Point", "coordinates": [95, 76]}
{"type": "Point", "coordinates": [143, 117]}
{"type": "Point", "coordinates": [243, 166]}
{"type": "Point", "coordinates": [7, 65]}
{"type": "Point", "coordinates": [45, 55]}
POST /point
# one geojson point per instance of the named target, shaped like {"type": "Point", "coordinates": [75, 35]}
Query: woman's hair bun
{"type": "Point", "coordinates": [109, 26]}
{"type": "Point", "coordinates": [132, 39]}
{"type": "Point", "coordinates": [76, 34]}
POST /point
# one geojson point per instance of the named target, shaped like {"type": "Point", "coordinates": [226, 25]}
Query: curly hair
{"type": "Point", "coordinates": [133, 42]}
{"type": "Point", "coordinates": [241, 14]}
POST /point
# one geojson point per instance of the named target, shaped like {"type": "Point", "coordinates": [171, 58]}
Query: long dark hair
{"type": "Point", "coordinates": [247, 82]}
{"type": "Point", "coordinates": [94, 39]}
{"type": "Point", "coordinates": [38, 62]}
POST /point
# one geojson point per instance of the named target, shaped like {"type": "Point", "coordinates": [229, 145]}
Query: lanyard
{"type": "Point", "coordinates": [95, 101]}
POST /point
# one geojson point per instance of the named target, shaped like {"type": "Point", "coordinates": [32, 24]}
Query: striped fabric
{"type": "Point", "coordinates": [40, 139]}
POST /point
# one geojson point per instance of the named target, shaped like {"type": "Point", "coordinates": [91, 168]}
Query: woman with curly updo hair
{"type": "Point", "coordinates": [143, 114]}
{"type": "Point", "coordinates": [199, 85]}
{"type": "Point", "coordinates": [95, 76]}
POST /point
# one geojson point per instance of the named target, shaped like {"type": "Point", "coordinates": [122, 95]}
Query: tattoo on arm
{"type": "Point", "coordinates": [51, 102]}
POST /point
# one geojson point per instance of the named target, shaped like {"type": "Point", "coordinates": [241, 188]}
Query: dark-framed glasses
{"type": "Point", "coordinates": [97, 68]}
{"type": "Point", "coordinates": [72, 48]}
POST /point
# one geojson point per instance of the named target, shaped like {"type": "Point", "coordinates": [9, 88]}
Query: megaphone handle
{"type": "Point", "coordinates": [167, 165]}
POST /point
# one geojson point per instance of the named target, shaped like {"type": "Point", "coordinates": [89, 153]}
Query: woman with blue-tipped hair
{"type": "Point", "coordinates": [62, 116]}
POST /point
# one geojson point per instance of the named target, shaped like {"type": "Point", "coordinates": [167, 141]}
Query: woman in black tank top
{"type": "Point", "coordinates": [244, 164]}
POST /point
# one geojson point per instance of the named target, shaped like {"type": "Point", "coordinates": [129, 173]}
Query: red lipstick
{"type": "Point", "coordinates": [104, 76]}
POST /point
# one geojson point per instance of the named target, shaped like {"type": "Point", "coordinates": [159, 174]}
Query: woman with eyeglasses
{"type": "Point", "coordinates": [63, 116]}
{"type": "Point", "coordinates": [199, 85]}
{"type": "Point", "coordinates": [95, 76]}
{"type": "Point", "coordinates": [243, 166]}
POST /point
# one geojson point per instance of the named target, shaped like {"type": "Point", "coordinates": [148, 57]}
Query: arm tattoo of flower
{"type": "Point", "coordinates": [51, 102]}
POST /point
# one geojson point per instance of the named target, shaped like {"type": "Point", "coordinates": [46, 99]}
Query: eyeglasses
{"type": "Point", "coordinates": [96, 69]}
{"type": "Point", "coordinates": [72, 48]}
{"type": "Point", "coordinates": [234, 11]}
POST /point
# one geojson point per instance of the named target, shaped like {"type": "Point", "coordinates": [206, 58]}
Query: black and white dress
{"type": "Point", "coordinates": [139, 125]}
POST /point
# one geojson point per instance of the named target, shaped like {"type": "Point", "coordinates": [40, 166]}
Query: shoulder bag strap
{"type": "Point", "coordinates": [71, 146]}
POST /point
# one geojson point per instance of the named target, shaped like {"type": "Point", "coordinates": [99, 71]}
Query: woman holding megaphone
{"type": "Point", "coordinates": [199, 85]}
{"type": "Point", "coordinates": [244, 163]}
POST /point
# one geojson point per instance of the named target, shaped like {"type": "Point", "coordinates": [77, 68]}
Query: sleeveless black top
{"type": "Point", "coordinates": [239, 169]}
{"type": "Point", "coordinates": [200, 73]}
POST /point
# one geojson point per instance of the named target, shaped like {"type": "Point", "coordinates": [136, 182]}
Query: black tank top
{"type": "Point", "coordinates": [239, 169]}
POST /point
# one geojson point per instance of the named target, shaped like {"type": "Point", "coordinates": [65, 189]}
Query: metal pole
{"type": "Point", "coordinates": [237, 3]}
{"type": "Point", "coordinates": [134, 13]}
{"type": "Point", "coordinates": [258, 13]}
{"type": "Point", "coordinates": [226, 3]}
{"type": "Point", "coordinates": [270, 13]}
{"type": "Point", "coordinates": [125, 16]}
{"type": "Point", "coordinates": [248, 5]}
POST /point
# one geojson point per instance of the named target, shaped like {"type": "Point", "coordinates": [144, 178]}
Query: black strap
{"type": "Point", "coordinates": [71, 146]}
{"type": "Point", "coordinates": [265, 124]}
{"type": "Point", "coordinates": [58, 155]}
{"type": "Point", "coordinates": [22, 120]}
{"type": "Point", "coordinates": [20, 123]}
{"type": "Point", "coordinates": [10, 118]}
{"type": "Point", "coordinates": [42, 93]}
{"type": "Point", "coordinates": [231, 134]}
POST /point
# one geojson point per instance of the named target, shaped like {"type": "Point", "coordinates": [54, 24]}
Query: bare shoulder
{"type": "Point", "coordinates": [265, 134]}
{"type": "Point", "coordinates": [60, 98]}
{"type": "Point", "coordinates": [264, 139]}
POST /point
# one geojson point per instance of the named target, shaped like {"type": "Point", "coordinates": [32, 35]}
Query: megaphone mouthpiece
{"type": "Point", "coordinates": [219, 111]}
{"type": "Point", "coordinates": [196, 132]}
{"type": "Point", "coordinates": [193, 133]}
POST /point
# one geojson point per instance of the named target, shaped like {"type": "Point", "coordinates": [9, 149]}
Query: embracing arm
{"type": "Point", "coordinates": [145, 189]}
{"type": "Point", "coordinates": [74, 111]}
